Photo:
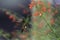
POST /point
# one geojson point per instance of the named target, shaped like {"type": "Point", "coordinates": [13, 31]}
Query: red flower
{"type": "Point", "coordinates": [12, 18]}
{"type": "Point", "coordinates": [30, 6]}
{"type": "Point", "coordinates": [36, 14]}
{"type": "Point", "coordinates": [44, 9]}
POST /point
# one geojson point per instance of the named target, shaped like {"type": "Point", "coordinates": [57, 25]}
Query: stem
{"type": "Point", "coordinates": [50, 28]}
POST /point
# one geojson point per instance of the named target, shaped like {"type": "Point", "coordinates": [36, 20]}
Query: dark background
{"type": "Point", "coordinates": [16, 6]}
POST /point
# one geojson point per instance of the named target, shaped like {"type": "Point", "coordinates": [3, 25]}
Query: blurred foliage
{"type": "Point", "coordinates": [46, 23]}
